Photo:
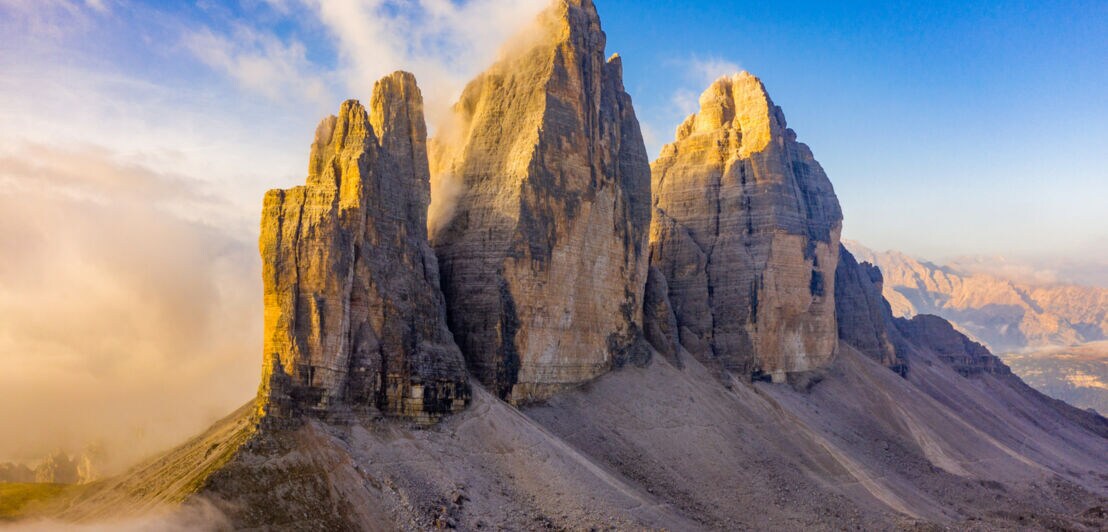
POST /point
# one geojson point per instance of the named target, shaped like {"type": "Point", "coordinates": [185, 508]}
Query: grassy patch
{"type": "Point", "coordinates": [14, 497]}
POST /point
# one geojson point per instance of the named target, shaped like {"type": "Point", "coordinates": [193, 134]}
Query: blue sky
{"type": "Point", "coordinates": [948, 128]}
{"type": "Point", "coordinates": [138, 138]}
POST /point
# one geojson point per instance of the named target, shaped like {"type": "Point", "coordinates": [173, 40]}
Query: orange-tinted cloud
{"type": "Point", "coordinates": [124, 316]}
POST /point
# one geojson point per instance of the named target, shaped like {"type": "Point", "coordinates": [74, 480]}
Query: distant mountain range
{"type": "Point", "coordinates": [1006, 314]}
{"type": "Point", "coordinates": [1051, 334]}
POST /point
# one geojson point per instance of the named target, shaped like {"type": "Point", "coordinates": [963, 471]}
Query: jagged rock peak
{"type": "Point", "coordinates": [738, 103]}
{"type": "Point", "coordinates": [543, 245]}
{"type": "Point", "coordinates": [354, 319]}
{"type": "Point", "coordinates": [746, 231]}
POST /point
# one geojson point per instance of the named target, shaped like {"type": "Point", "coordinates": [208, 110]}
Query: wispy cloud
{"type": "Point", "coordinates": [694, 74]}
{"type": "Point", "coordinates": [707, 70]}
{"type": "Point", "coordinates": [262, 63]}
{"type": "Point", "coordinates": [699, 74]}
{"type": "Point", "coordinates": [52, 19]}
{"type": "Point", "coordinates": [443, 42]}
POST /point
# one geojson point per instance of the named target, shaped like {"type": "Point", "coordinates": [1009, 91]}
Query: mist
{"type": "Point", "coordinates": [128, 320]}
{"type": "Point", "coordinates": [196, 515]}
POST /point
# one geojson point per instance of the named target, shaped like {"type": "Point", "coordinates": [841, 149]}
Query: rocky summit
{"type": "Point", "coordinates": [746, 231]}
{"type": "Point", "coordinates": [544, 255]}
{"type": "Point", "coordinates": [354, 319]}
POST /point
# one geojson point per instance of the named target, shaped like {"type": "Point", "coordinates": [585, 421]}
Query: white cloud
{"type": "Point", "coordinates": [261, 63]}
{"type": "Point", "coordinates": [443, 42]}
{"type": "Point", "coordinates": [686, 101]}
{"type": "Point", "coordinates": [50, 19]}
{"type": "Point", "coordinates": [706, 70]}
{"type": "Point", "coordinates": [98, 5]}
{"type": "Point", "coordinates": [699, 74]}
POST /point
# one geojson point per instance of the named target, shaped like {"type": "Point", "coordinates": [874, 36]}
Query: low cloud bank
{"type": "Point", "coordinates": [128, 320]}
{"type": "Point", "coordinates": [196, 515]}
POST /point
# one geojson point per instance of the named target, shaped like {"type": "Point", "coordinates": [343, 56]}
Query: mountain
{"type": "Point", "coordinates": [354, 319]}
{"type": "Point", "coordinates": [746, 232]}
{"type": "Point", "coordinates": [557, 380]}
{"type": "Point", "coordinates": [544, 258]}
{"type": "Point", "coordinates": [1052, 335]}
{"type": "Point", "coordinates": [1004, 314]}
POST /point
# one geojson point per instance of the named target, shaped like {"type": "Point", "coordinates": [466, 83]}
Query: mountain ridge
{"type": "Point", "coordinates": [1005, 314]}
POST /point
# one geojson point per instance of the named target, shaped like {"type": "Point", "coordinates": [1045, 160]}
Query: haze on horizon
{"type": "Point", "coordinates": [137, 140]}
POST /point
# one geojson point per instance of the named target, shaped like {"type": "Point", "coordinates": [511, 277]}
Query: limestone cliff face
{"type": "Point", "coordinates": [354, 319]}
{"type": "Point", "coordinates": [746, 232]}
{"type": "Point", "coordinates": [544, 260]}
{"type": "Point", "coordinates": [864, 318]}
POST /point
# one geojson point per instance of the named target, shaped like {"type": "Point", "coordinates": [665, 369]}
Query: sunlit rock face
{"type": "Point", "coordinates": [865, 319]}
{"type": "Point", "coordinates": [544, 256]}
{"type": "Point", "coordinates": [746, 232]}
{"type": "Point", "coordinates": [354, 319]}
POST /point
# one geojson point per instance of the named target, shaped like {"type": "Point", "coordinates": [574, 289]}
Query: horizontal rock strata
{"type": "Point", "coordinates": [967, 357]}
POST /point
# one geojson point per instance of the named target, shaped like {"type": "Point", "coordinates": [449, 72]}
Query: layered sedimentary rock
{"type": "Point", "coordinates": [354, 319]}
{"type": "Point", "coordinates": [864, 318]}
{"type": "Point", "coordinates": [544, 258]}
{"type": "Point", "coordinates": [746, 232]}
{"type": "Point", "coordinates": [967, 357]}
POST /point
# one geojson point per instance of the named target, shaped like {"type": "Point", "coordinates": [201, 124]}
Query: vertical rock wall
{"type": "Point", "coordinates": [746, 232]}
{"type": "Point", "coordinates": [864, 318]}
{"type": "Point", "coordinates": [544, 259]}
{"type": "Point", "coordinates": [354, 319]}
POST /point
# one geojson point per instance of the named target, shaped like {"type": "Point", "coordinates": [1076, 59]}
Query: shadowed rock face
{"type": "Point", "coordinates": [967, 357]}
{"type": "Point", "coordinates": [354, 319]}
{"type": "Point", "coordinates": [864, 318]}
{"type": "Point", "coordinates": [746, 232]}
{"type": "Point", "coordinates": [544, 260]}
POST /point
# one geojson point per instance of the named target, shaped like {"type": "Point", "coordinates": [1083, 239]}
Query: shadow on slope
{"type": "Point", "coordinates": [657, 447]}
{"type": "Point", "coordinates": [864, 447]}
